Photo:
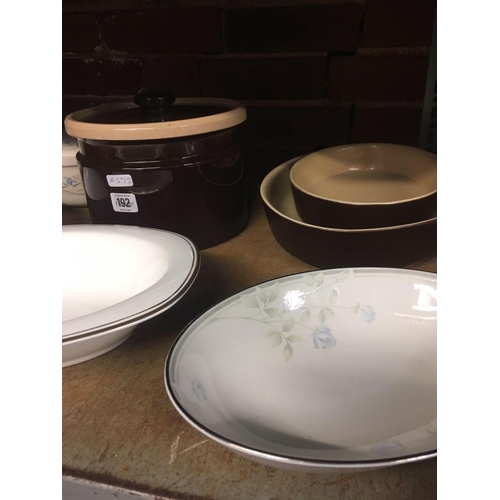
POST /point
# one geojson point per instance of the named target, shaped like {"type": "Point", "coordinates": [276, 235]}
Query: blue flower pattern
{"type": "Point", "coordinates": [199, 391]}
{"type": "Point", "coordinates": [71, 182]}
{"type": "Point", "coordinates": [323, 338]}
{"type": "Point", "coordinates": [270, 307]}
{"type": "Point", "coordinates": [367, 313]}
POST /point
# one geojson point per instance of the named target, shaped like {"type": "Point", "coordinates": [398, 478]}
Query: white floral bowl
{"type": "Point", "coordinates": [73, 191]}
{"type": "Point", "coordinates": [328, 370]}
{"type": "Point", "coordinates": [116, 277]}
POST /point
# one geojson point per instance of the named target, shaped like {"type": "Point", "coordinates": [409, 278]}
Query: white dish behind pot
{"type": "Point", "coordinates": [73, 191]}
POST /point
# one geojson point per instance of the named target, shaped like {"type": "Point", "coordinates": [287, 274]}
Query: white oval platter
{"type": "Point", "coordinates": [115, 277]}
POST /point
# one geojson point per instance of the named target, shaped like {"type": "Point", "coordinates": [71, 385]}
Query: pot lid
{"type": "Point", "coordinates": [155, 115]}
{"type": "Point", "coordinates": [69, 150]}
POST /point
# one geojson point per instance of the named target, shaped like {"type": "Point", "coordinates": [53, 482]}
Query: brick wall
{"type": "Point", "coordinates": [311, 73]}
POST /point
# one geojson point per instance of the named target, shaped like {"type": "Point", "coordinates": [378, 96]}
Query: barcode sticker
{"type": "Point", "coordinates": [123, 180]}
{"type": "Point", "coordinates": [124, 202]}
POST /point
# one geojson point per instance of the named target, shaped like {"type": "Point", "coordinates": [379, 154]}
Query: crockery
{"type": "Point", "coordinates": [395, 246]}
{"type": "Point", "coordinates": [321, 371]}
{"type": "Point", "coordinates": [115, 277]}
{"type": "Point", "coordinates": [73, 192]}
{"type": "Point", "coordinates": [365, 186]}
{"type": "Point", "coordinates": [173, 164]}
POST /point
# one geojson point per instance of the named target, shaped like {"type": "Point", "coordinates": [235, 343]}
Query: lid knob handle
{"type": "Point", "coordinates": [154, 101]}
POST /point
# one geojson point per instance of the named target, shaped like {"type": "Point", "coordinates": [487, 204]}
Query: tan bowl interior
{"type": "Point", "coordinates": [367, 174]}
{"type": "Point", "coordinates": [276, 193]}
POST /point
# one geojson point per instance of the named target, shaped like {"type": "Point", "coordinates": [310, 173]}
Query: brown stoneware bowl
{"type": "Point", "coordinates": [394, 246]}
{"type": "Point", "coordinates": [365, 186]}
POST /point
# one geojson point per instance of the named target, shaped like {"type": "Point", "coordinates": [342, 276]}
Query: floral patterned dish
{"type": "Point", "coordinates": [116, 277]}
{"type": "Point", "coordinates": [326, 370]}
{"type": "Point", "coordinates": [73, 191]}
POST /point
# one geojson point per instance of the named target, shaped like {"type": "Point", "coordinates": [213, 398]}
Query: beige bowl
{"type": "Point", "coordinates": [365, 186]}
{"type": "Point", "coordinates": [325, 247]}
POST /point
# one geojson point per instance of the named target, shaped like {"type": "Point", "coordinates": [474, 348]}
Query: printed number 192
{"type": "Point", "coordinates": [124, 202]}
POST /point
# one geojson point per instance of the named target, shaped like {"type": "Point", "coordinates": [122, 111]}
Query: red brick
{"type": "Point", "coordinates": [313, 28]}
{"type": "Point", "coordinates": [80, 32]}
{"type": "Point", "coordinates": [260, 161]}
{"type": "Point", "coordinates": [398, 23]}
{"type": "Point", "coordinates": [396, 125]}
{"type": "Point", "coordinates": [178, 75]}
{"type": "Point", "coordinates": [264, 78]}
{"type": "Point", "coordinates": [80, 3]}
{"type": "Point", "coordinates": [297, 126]}
{"type": "Point", "coordinates": [372, 78]}
{"type": "Point", "coordinates": [165, 31]}
{"type": "Point", "coordinates": [101, 78]}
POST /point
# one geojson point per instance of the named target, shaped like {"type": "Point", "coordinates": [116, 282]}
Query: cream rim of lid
{"type": "Point", "coordinates": [235, 114]}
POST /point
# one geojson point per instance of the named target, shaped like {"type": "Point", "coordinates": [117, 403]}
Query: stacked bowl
{"type": "Point", "coordinates": [355, 205]}
{"type": "Point", "coordinates": [116, 277]}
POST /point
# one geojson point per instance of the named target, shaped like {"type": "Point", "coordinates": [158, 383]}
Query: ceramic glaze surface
{"type": "Point", "coordinates": [370, 186]}
{"type": "Point", "coordinates": [367, 173]}
{"type": "Point", "coordinates": [323, 370]}
{"type": "Point", "coordinates": [365, 186]}
{"type": "Point", "coordinates": [86, 348]}
{"type": "Point", "coordinates": [276, 193]}
{"type": "Point", "coordinates": [114, 275]}
{"type": "Point", "coordinates": [73, 192]}
{"type": "Point", "coordinates": [328, 247]}
{"type": "Point", "coordinates": [191, 186]}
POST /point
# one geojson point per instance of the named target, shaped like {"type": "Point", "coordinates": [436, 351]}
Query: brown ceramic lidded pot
{"type": "Point", "coordinates": [167, 163]}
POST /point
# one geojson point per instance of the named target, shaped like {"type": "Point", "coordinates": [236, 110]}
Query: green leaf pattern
{"type": "Point", "coordinates": [287, 325]}
{"type": "Point", "coordinates": [272, 312]}
{"type": "Point", "coordinates": [249, 301]}
{"type": "Point", "coordinates": [305, 315]}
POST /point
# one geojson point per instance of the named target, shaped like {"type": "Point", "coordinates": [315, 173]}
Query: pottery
{"type": "Point", "coordinates": [328, 370]}
{"type": "Point", "coordinates": [116, 277]}
{"type": "Point", "coordinates": [166, 163]}
{"type": "Point", "coordinates": [73, 192]}
{"type": "Point", "coordinates": [365, 186]}
{"type": "Point", "coordinates": [395, 246]}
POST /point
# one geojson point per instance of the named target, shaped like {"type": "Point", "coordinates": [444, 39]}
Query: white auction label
{"type": "Point", "coordinates": [116, 180]}
{"type": "Point", "coordinates": [124, 202]}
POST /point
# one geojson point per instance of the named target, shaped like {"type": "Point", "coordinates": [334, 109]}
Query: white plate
{"type": "Point", "coordinates": [115, 277]}
{"type": "Point", "coordinates": [320, 371]}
